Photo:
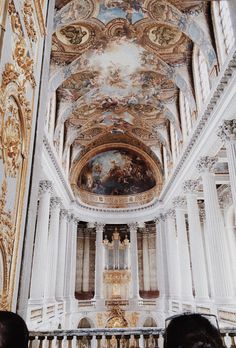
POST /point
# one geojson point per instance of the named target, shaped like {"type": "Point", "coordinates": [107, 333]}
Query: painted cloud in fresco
{"type": "Point", "coordinates": [116, 172]}
{"type": "Point", "coordinates": [129, 9]}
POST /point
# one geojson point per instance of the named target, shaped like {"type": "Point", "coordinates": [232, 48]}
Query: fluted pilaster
{"type": "Point", "coordinates": [52, 250]}
{"type": "Point", "coordinates": [223, 289]}
{"type": "Point", "coordinates": [172, 254]}
{"type": "Point", "coordinates": [99, 261]}
{"type": "Point", "coordinates": [41, 238]}
{"type": "Point", "coordinates": [184, 259]}
{"type": "Point", "coordinates": [199, 271]}
{"type": "Point", "coordinates": [134, 259]}
{"type": "Point", "coordinates": [146, 266]}
{"type": "Point", "coordinates": [227, 133]}
{"type": "Point", "coordinates": [61, 254]}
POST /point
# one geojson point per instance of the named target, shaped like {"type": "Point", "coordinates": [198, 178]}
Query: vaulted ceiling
{"type": "Point", "coordinates": [118, 68]}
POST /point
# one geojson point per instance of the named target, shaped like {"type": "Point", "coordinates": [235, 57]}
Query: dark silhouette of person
{"type": "Point", "coordinates": [13, 331]}
{"type": "Point", "coordinates": [192, 331]}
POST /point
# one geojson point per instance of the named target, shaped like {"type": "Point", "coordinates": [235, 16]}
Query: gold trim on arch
{"type": "Point", "coordinates": [116, 201]}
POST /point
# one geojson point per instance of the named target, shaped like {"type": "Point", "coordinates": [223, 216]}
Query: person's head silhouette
{"type": "Point", "coordinates": [13, 331]}
{"type": "Point", "coordinates": [191, 331]}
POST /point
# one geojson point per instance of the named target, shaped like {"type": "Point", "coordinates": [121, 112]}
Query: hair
{"type": "Point", "coordinates": [192, 331]}
{"type": "Point", "coordinates": [13, 331]}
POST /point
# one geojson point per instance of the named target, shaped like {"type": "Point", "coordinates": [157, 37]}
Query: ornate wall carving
{"type": "Point", "coordinates": [15, 129]}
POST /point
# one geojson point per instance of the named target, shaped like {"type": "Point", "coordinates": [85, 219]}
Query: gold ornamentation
{"type": "Point", "coordinates": [9, 75]}
{"type": "Point", "coordinates": [20, 53]}
{"type": "Point", "coordinates": [24, 61]}
{"type": "Point", "coordinates": [39, 14]}
{"type": "Point", "coordinates": [116, 318]}
{"type": "Point", "coordinates": [7, 236]}
{"type": "Point", "coordinates": [28, 20]}
{"type": "Point", "coordinates": [11, 141]}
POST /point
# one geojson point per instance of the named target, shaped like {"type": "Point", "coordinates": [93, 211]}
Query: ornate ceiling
{"type": "Point", "coordinates": [118, 66]}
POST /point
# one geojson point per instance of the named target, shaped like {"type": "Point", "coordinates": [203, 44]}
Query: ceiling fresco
{"type": "Point", "coordinates": [118, 68]}
{"type": "Point", "coordinates": [116, 172]}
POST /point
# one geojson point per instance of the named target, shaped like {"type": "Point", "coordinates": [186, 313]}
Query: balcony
{"type": "Point", "coordinates": [109, 338]}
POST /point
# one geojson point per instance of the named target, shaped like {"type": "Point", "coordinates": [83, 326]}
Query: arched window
{"type": "Point", "coordinates": [185, 115]}
{"type": "Point", "coordinates": [201, 77]}
{"type": "Point", "coordinates": [174, 142]}
{"type": "Point", "coordinates": [224, 33]}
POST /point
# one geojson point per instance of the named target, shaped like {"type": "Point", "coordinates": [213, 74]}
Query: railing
{"type": "Point", "coordinates": [111, 338]}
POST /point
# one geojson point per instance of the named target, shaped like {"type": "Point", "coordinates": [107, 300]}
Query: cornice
{"type": "Point", "coordinates": [57, 166]}
{"type": "Point", "coordinates": [203, 120]}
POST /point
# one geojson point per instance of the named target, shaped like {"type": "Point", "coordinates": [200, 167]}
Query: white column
{"type": "Point", "coordinates": [227, 133]}
{"type": "Point", "coordinates": [86, 265]}
{"type": "Point", "coordinates": [184, 258]}
{"type": "Point", "coordinates": [99, 262]}
{"type": "Point", "coordinates": [41, 238]}
{"type": "Point", "coordinates": [216, 234]}
{"type": "Point", "coordinates": [73, 256]}
{"type": "Point", "coordinates": [134, 260]}
{"type": "Point", "coordinates": [146, 266]}
{"type": "Point", "coordinates": [162, 270]}
{"type": "Point", "coordinates": [68, 260]}
{"type": "Point", "coordinates": [61, 254]}
{"type": "Point", "coordinates": [199, 270]}
{"type": "Point", "coordinates": [52, 250]}
{"type": "Point", "coordinates": [173, 259]}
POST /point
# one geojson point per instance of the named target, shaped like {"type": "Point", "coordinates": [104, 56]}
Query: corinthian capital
{"type": "Point", "coordinates": [55, 202]}
{"type": "Point", "coordinates": [133, 226]}
{"type": "Point", "coordinates": [45, 186]}
{"type": "Point", "coordinates": [227, 131]}
{"type": "Point", "coordinates": [170, 213]}
{"type": "Point", "coordinates": [64, 214]}
{"type": "Point", "coordinates": [190, 186]}
{"type": "Point", "coordinates": [206, 164]}
{"type": "Point", "coordinates": [179, 202]}
{"type": "Point", "coordinates": [99, 227]}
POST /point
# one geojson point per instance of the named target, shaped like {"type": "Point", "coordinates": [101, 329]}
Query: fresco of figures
{"type": "Point", "coordinates": [116, 172]}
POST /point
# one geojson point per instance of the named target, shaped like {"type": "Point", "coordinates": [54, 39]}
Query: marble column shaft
{"type": "Point", "coordinates": [86, 265]}
{"type": "Point", "coordinates": [41, 238]}
{"type": "Point", "coordinates": [173, 259]}
{"type": "Point", "coordinates": [162, 285]}
{"type": "Point", "coordinates": [199, 271]}
{"type": "Point", "coordinates": [99, 262]}
{"type": "Point", "coordinates": [73, 257]}
{"type": "Point", "coordinates": [134, 260]}
{"type": "Point", "coordinates": [216, 238]}
{"type": "Point", "coordinates": [184, 258]}
{"type": "Point", "coordinates": [146, 266]}
{"type": "Point", "coordinates": [61, 254]}
{"type": "Point", "coordinates": [68, 262]}
{"type": "Point", "coordinates": [227, 133]}
{"type": "Point", "coordinates": [52, 250]}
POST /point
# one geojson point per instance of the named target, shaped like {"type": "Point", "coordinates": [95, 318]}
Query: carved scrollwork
{"type": "Point", "coordinates": [12, 140]}
{"type": "Point", "coordinates": [28, 20]}
{"type": "Point", "coordinates": [7, 237]}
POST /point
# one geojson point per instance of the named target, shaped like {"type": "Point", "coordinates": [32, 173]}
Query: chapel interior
{"type": "Point", "coordinates": [117, 166]}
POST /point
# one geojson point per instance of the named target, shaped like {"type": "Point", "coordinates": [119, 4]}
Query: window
{"type": "Point", "coordinates": [223, 28]}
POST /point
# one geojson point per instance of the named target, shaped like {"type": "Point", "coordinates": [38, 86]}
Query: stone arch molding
{"type": "Point", "coordinates": [159, 11]}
